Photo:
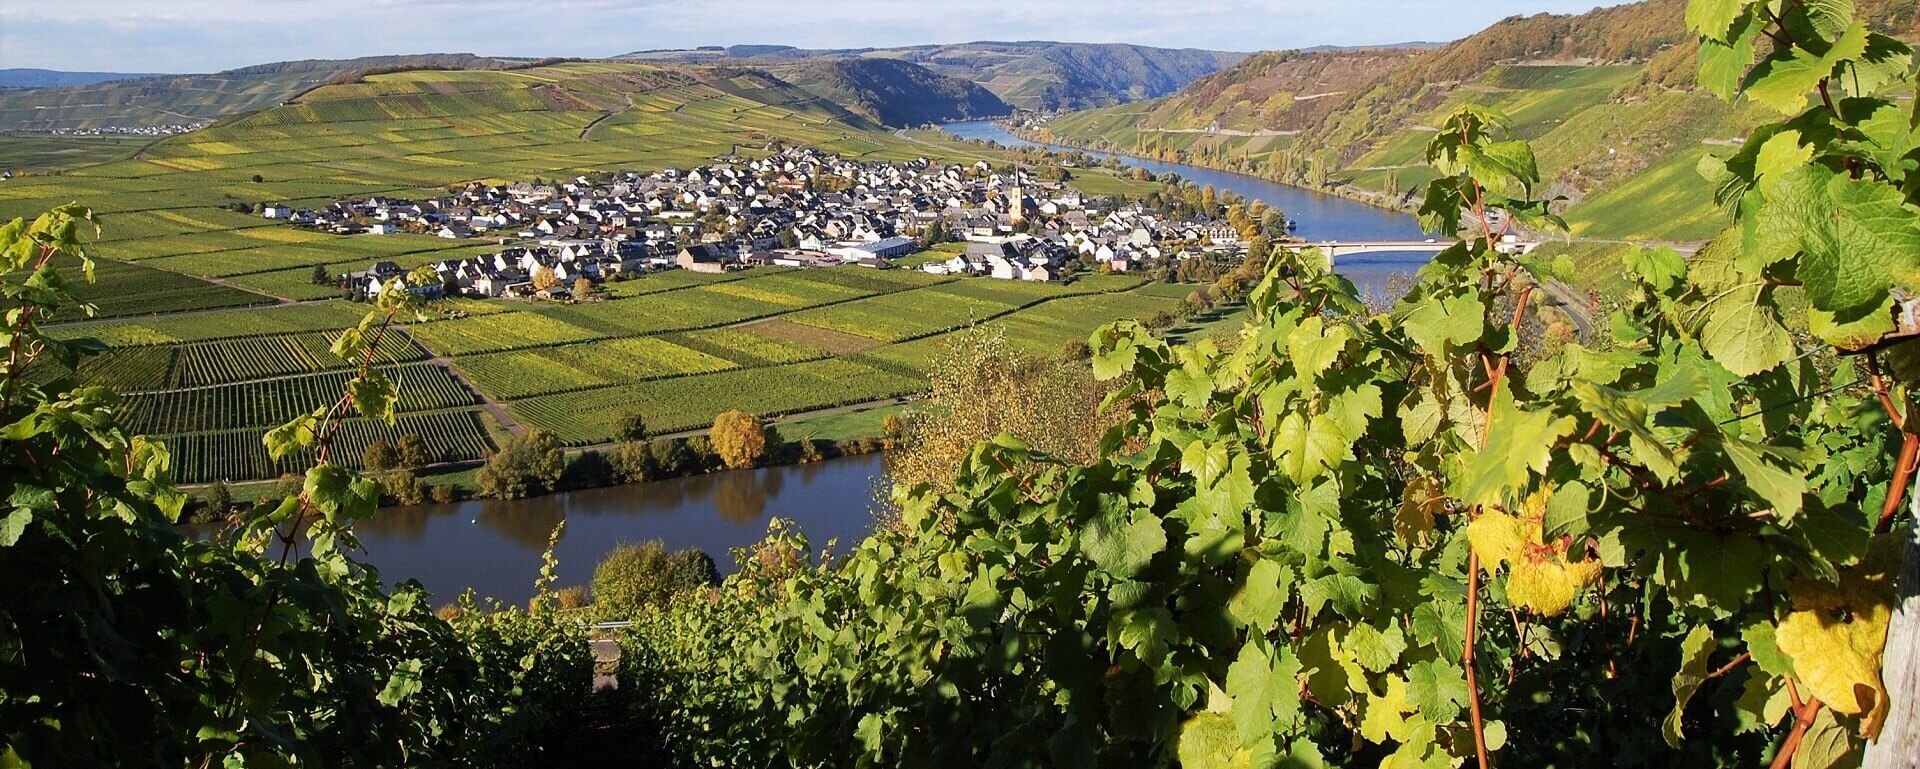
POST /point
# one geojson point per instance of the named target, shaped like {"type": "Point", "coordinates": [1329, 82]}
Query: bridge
{"type": "Point", "coordinates": [1335, 249]}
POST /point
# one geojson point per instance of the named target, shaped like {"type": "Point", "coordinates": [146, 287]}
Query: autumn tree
{"type": "Point", "coordinates": [413, 452]}
{"type": "Point", "coordinates": [526, 466]}
{"type": "Point", "coordinates": [544, 278]}
{"type": "Point", "coordinates": [738, 438]}
{"type": "Point", "coordinates": [582, 287]}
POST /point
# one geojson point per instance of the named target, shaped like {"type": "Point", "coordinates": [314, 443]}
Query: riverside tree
{"type": "Point", "coordinates": [738, 438]}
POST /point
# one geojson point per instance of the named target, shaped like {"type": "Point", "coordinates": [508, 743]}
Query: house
{"type": "Point", "coordinates": [272, 211]}
{"type": "Point", "coordinates": [704, 257]}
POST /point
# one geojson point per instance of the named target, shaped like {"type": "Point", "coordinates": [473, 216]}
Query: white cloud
{"type": "Point", "coordinates": [207, 35]}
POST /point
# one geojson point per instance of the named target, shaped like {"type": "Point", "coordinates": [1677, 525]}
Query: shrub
{"type": "Point", "coordinates": [528, 465]}
{"type": "Point", "coordinates": [636, 576]}
{"type": "Point", "coordinates": [403, 488]}
{"type": "Point", "coordinates": [379, 456]}
{"type": "Point", "coordinates": [738, 439]}
{"type": "Point", "coordinates": [413, 452]}
{"type": "Point", "coordinates": [443, 493]}
{"type": "Point", "coordinates": [670, 457]}
{"type": "Point", "coordinates": [590, 470]}
{"type": "Point", "coordinates": [633, 462]}
{"type": "Point", "coordinates": [632, 427]}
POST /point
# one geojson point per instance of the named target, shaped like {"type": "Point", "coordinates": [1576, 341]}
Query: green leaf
{"type": "Point", "coordinates": [1712, 18]}
{"type": "Point", "coordinates": [14, 525]}
{"type": "Point", "coordinates": [1439, 325]}
{"type": "Point", "coordinates": [1784, 489]}
{"type": "Point", "coordinates": [1693, 672]}
{"type": "Point", "coordinates": [1205, 461]}
{"type": "Point", "coordinates": [1261, 599]}
{"type": "Point", "coordinates": [1518, 443]}
{"type": "Point", "coordinates": [373, 396]}
{"type": "Point", "coordinates": [1313, 348]}
{"type": "Point", "coordinates": [404, 682]}
{"type": "Point", "coordinates": [1438, 688]}
{"type": "Point", "coordinates": [1123, 542]}
{"type": "Point", "coordinates": [1743, 333]}
{"type": "Point", "coordinates": [1867, 243]}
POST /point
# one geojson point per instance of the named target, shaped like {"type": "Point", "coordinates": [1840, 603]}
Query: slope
{"type": "Point", "coordinates": [1607, 96]}
{"type": "Point", "coordinates": [894, 92]}
{"type": "Point", "coordinates": [1034, 75]}
{"type": "Point", "coordinates": [175, 100]}
{"type": "Point", "coordinates": [23, 77]}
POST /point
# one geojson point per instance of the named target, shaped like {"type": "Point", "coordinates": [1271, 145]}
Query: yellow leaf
{"type": "Point", "coordinates": [1547, 583]}
{"type": "Point", "coordinates": [1422, 500]}
{"type": "Point", "coordinates": [1497, 537]}
{"type": "Point", "coordinates": [1836, 634]}
{"type": "Point", "coordinates": [1385, 716]}
{"type": "Point", "coordinates": [1210, 741]}
{"type": "Point", "coordinates": [1839, 659]}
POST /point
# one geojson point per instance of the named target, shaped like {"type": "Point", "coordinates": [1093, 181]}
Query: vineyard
{"type": "Point", "coordinates": [240, 359]}
{"type": "Point", "coordinates": [420, 387]}
{"type": "Point", "coordinates": [690, 402]}
{"type": "Point", "coordinates": [240, 455]}
{"type": "Point", "coordinates": [581, 366]}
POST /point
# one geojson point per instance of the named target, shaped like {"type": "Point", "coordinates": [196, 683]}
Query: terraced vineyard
{"type": "Point", "coordinates": [234, 360]}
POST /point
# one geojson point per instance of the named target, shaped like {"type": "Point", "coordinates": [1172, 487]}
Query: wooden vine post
{"type": "Point", "coordinates": [1898, 746]}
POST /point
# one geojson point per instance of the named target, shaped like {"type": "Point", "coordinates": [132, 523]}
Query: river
{"type": "Point", "coordinates": [494, 547]}
{"type": "Point", "coordinates": [1316, 216]}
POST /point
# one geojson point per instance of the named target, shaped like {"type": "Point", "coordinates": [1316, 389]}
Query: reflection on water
{"type": "Point", "coordinates": [494, 546]}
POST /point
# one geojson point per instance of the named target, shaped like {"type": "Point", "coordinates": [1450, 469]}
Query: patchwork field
{"type": "Point", "coordinates": [216, 330]}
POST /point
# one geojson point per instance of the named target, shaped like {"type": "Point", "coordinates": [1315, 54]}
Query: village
{"type": "Point", "coordinates": [795, 208]}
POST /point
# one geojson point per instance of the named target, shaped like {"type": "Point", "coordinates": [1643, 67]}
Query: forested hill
{"type": "Point", "coordinates": [894, 92]}
{"type": "Point", "coordinates": [48, 78]}
{"type": "Point", "coordinates": [1039, 75]}
{"type": "Point", "coordinates": [1608, 97]}
{"type": "Point", "coordinates": [189, 99]}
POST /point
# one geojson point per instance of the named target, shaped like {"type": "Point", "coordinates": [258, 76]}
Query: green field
{"type": "Point", "coordinates": [216, 329]}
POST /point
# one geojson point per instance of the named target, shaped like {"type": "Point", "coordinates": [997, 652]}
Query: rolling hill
{"type": "Point", "coordinates": [193, 99]}
{"type": "Point", "coordinates": [1034, 75]}
{"type": "Point", "coordinates": [48, 78]}
{"type": "Point", "coordinates": [894, 92]}
{"type": "Point", "coordinates": [1607, 97]}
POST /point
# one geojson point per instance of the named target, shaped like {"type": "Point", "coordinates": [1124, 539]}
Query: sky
{"type": "Point", "coordinates": [210, 35]}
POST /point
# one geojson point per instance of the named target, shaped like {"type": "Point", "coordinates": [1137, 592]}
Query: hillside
{"type": "Point", "coordinates": [1607, 97]}
{"type": "Point", "coordinates": [172, 100]}
{"type": "Point", "coordinates": [1033, 75]}
{"type": "Point", "coordinates": [48, 78]}
{"type": "Point", "coordinates": [894, 92]}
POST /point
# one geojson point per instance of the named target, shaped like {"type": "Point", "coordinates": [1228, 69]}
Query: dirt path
{"type": "Point", "coordinates": [487, 403]}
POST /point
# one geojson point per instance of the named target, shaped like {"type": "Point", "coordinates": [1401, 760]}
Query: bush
{"type": "Point", "coordinates": [527, 466]}
{"type": "Point", "coordinates": [1076, 349]}
{"type": "Point", "coordinates": [413, 452]}
{"type": "Point", "coordinates": [564, 599]}
{"type": "Point", "coordinates": [637, 576]}
{"type": "Point", "coordinates": [379, 457]}
{"type": "Point", "coordinates": [443, 493]}
{"type": "Point", "coordinates": [401, 487]}
{"type": "Point", "coordinates": [632, 427]}
{"type": "Point", "coordinates": [738, 439]}
{"type": "Point", "coordinates": [590, 470]}
{"type": "Point", "coordinates": [670, 457]}
{"type": "Point", "coordinates": [633, 462]}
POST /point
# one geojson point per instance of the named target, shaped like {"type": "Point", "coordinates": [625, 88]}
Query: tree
{"type": "Point", "coordinates": [788, 239]}
{"type": "Point", "coordinates": [670, 457]}
{"type": "Point", "coordinates": [320, 276]}
{"type": "Point", "coordinates": [589, 470]}
{"type": "Point", "coordinates": [526, 466]}
{"type": "Point", "coordinates": [257, 179]}
{"type": "Point", "coordinates": [738, 439]}
{"type": "Point", "coordinates": [582, 287]}
{"type": "Point", "coordinates": [379, 456]}
{"type": "Point", "coordinates": [633, 462]}
{"type": "Point", "coordinates": [637, 576]}
{"type": "Point", "coordinates": [215, 503]}
{"type": "Point", "coordinates": [632, 426]}
{"type": "Point", "coordinates": [412, 452]}
{"type": "Point", "coordinates": [544, 278]}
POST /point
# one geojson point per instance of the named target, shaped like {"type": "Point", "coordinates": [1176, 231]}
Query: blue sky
{"type": "Point", "coordinates": [209, 35]}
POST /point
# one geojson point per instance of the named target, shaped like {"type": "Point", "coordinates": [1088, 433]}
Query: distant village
{"type": "Point", "coordinates": [795, 208]}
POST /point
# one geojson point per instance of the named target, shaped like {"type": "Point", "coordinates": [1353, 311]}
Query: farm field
{"type": "Point", "coordinates": [214, 327]}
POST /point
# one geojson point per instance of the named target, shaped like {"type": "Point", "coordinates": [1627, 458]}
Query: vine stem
{"type": "Point", "coordinates": [1473, 558]}
{"type": "Point", "coordinates": [1909, 450]}
{"type": "Point", "coordinates": [1803, 715]}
